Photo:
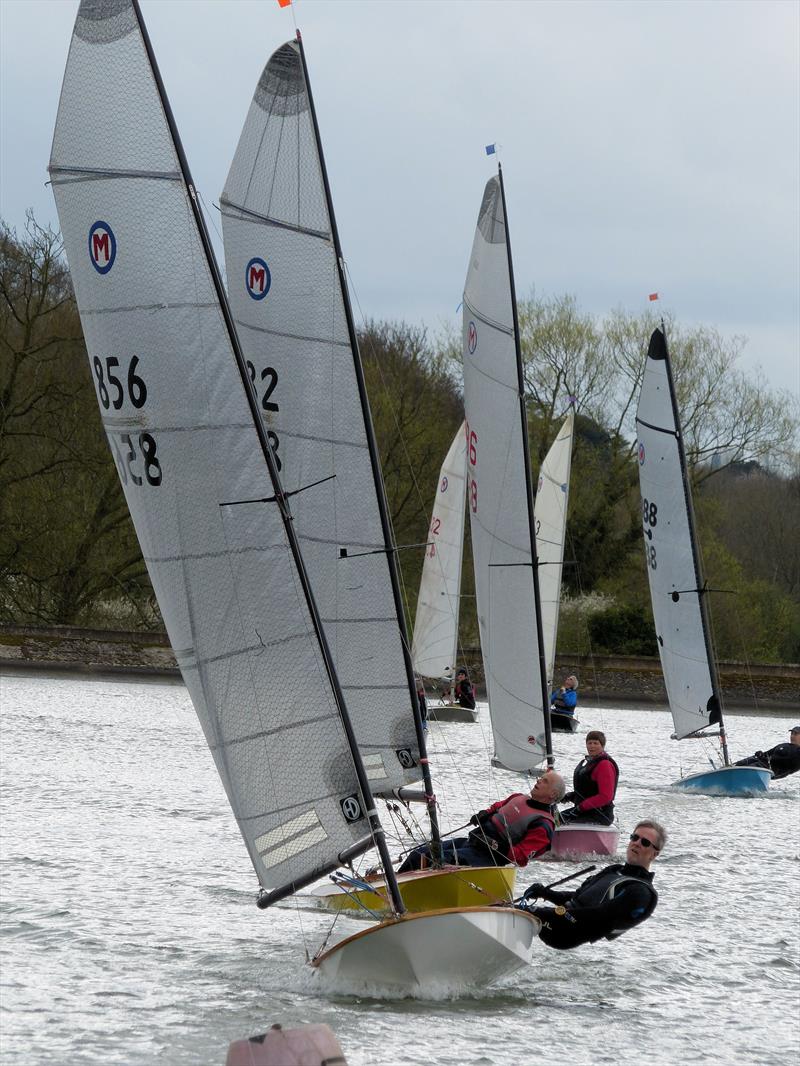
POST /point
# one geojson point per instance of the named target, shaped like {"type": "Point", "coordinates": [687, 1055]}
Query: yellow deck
{"type": "Point", "coordinates": [432, 890]}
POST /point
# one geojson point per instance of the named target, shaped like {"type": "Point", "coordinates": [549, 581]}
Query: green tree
{"type": "Point", "coordinates": [68, 553]}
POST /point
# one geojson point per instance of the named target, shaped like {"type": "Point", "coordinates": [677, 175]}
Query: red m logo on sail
{"type": "Point", "coordinates": [257, 278]}
{"type": "Point", "coordinates": [101, 246]}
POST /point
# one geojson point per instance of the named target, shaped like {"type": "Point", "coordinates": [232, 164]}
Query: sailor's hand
{"type": "Point", "coordinates": [569, 797]}
{"type": "Point", "coordinates": [534, 891]}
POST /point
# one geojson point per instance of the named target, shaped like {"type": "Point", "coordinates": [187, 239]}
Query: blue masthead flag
{"type": "Point", "coordinates": [491, 149]}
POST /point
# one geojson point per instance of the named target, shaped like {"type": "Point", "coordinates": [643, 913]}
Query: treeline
{"type": "Point", "coordinates": [69, 555]}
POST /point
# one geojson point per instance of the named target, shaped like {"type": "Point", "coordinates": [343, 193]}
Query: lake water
{"type": "Point", "coordinates": [130, 932]}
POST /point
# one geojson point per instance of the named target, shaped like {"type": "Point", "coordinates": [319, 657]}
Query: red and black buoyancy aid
{"type": "Point", "coordinates": [511, 823]}
{"type": "Point", "coordinates": [582, 781]}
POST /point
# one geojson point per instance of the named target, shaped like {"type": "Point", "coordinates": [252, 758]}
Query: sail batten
{"type": "Point", "coordinates": [229, 581]}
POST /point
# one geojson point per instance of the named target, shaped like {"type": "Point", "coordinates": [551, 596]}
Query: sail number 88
{"type": "Point", "coordinates": [649, 512]}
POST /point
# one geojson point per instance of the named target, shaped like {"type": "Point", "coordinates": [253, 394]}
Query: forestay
{"type": "Point", "coordinates": [550, 512]}
{"type": "Point", "coordinates": [435, 644]}
{"type": "Point", "coordinates": [287, 299]}
{"type": "Point", "coordinates": [175, 413]}
{"type": "Point", "coordinates": [671, 561]}
{"type": "Point", "coordinates": [499, 497]}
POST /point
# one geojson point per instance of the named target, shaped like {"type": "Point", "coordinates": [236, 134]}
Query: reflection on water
{"type": "Point", "coordinates": [130, 933]}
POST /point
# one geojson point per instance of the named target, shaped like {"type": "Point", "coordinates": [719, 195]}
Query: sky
{"type": "Point", "coordinates": [647, 146]}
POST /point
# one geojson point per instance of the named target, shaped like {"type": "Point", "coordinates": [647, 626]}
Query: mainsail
{"type": "Point", "coordinates": [197, 474]}
{"type": "Point", "coordinates": [289, 301]}
{"type": "Point", "coordinates": [550, 512]}
{"type": "Point", "coordinates": [499, 496]}
{"type": "Point", "coordinates": [676, 584]}
{"type": "Point", "coordinates": [435, 646]}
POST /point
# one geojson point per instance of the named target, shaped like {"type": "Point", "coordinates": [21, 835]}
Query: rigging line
{"type": "Point", "coordinates": [345, 554]}
{"type": "Point", "coordinates": [368, 346]}
{"type": "Point", "coordinates": [286, 494]}
{"type": "Point", "coordinates": [210, 218]}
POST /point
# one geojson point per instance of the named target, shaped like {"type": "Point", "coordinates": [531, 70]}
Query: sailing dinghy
{"type": "Point", "coordinates": [201, 479]}
{"type": "Point", "coordinates": [677, 587]}
{"type": "Point", "coordinates": [291, 305]}
{"type": "Point", "coordinates": [500, 500]}
{"type": "Point", "coordinates": [434, 650]}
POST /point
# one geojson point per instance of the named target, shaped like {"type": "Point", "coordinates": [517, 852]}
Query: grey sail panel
{"type": "Point", "coordinates": [498, 497]}
{"type": "Point", "coordinates": [552, 502]}
{"type": "Point", "coordinates": [286, 297]}
{"type": "Point", "coordinates": [435, 644]}
{"type": "Point", "coordinates": [671, 567]}
{"type": "Point", "coordinates": [177, 419]}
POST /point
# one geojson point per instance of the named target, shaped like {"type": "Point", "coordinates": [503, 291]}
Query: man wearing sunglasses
{"type": "Point", "coordinates": [607, 904]}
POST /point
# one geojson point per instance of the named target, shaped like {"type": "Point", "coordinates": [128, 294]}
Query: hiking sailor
{"type": "Point", "coordinates": [515, 830]}
{"type": "Point", "coordinates": [606, 905]}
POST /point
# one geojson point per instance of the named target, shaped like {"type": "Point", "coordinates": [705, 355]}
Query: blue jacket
{"type": "Point", "coordinates": [567, 699]}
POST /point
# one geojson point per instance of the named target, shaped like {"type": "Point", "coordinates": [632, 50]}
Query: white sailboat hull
{"type": "Point", "coordinates": [437, 952]}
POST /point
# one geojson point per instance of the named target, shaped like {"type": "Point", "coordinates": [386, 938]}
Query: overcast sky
{"type": "Point", "coordinates": [646, 146]}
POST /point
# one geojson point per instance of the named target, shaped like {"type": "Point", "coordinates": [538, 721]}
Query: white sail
{"type": "Point", "coordinates": [435, 645]}
{"type": "Point", "coordinates": [671, 563]}
{"type": "Point", "coordinates": [175, 411]}
{"type": "Point", "coordinates": [287, 299]}
{"type": "Point", "coordinates": [498, 496]}
{"type": "Point", "coordinates": [550, 512]}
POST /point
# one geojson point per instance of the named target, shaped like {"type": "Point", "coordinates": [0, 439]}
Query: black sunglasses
{"type": "Point", "coordinates": [644, 842]}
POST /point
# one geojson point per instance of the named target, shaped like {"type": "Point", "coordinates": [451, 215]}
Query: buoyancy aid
{"type": "Point", "coordinates": [511, 823]}
{"type": "Point", "coordinates": [582, 781]}
{"type": "Point", "coordinates": [607, 886]}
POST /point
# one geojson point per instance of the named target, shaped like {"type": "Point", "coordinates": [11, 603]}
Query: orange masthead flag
{"type": "Point", "coordinates": [284, 3]}
{"type": "Point", "coordinates": [652, 296]}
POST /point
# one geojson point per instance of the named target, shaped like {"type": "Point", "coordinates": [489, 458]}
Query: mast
{"type": "Point", "coordinates": [529, 488]}
{"type": "Point", "coordinates": [388, 536]}
{"type": "Point", "coordinates": [376, 829]}
{"type": "Point", "coordinates": [698, 567]}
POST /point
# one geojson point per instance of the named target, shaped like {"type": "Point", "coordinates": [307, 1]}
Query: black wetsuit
{"type": "Point", "coordinates": [783, 759]}
{"type": "Point", "coordinates": [606, 905]}
{"type": "Point", "coordinates": [465, 694]}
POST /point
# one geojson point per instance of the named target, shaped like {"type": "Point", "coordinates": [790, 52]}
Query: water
{"type": "Point", "coordinates": [130, 933]}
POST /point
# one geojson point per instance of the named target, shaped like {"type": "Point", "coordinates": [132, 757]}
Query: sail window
{"type": "Point", "coordinates": [290, 839]}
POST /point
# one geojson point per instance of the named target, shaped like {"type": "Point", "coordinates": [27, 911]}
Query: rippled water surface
{"type": "Point", "coordinates": [130, 934]}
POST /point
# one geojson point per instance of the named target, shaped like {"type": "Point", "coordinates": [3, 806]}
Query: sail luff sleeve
{"type": "Point", "coordinates": [178, 423]}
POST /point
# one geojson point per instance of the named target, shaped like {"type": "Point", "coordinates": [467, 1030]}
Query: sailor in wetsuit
{"type": "Point", "coordinates": [783, 759]}
{"type": "Point", "coordinates": [606, 905]}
